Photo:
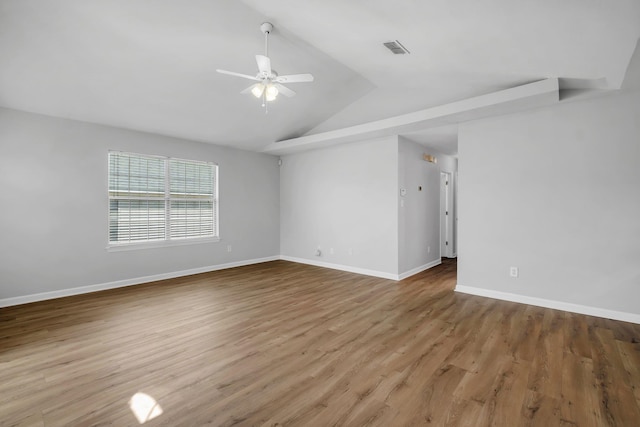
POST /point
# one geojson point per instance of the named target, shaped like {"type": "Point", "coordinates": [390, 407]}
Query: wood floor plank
{"type": "Point", "coordinates": [540, 410]}
{"type": "Point", "coordinates": [465, 413]}
{"type": "Point", "coordinates": [617, 402]}
{"type": "Point", "coordinates": [509, 392]}
{"type": "Point", "coordinates": [577, 335]}
{"type": "Point", "coordinates": [432, 405]}
{"type": "Point", "coordinates": [546, 368]}
{"type": "Point", "coordinates": [285, 344]}
{"type": "Point", "coordinates": [580, 402]}
{"type": "Point", "coordinates": [630, 356]}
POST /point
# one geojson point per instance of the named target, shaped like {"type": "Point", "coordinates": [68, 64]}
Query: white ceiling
{"type": "Point", "coordinates": [150, 64]}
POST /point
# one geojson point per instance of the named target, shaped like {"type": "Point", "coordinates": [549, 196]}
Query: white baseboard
{"type": "Point", "coordinates": [557, 305]}
{"type": "Point", "coordinates": [24, 299]}
{"type": "Point", "coordinates": [506, 296]}
{"type": "Point", "coordinates": [6, 302]}
{"type": "Point", "coordinates": [419, 269]}
{"type": "Point", "coordinates": [358, 270]}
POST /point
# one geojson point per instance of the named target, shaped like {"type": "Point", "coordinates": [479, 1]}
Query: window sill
{"type": "Point", "coordinates": [159, 244]}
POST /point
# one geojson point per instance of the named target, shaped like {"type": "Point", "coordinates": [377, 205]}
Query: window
{"type": "Point", "coordinates": [154, 198]}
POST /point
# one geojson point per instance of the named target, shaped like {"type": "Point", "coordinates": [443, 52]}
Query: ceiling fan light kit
{"type": "Point", "coordinates": [269, 82]}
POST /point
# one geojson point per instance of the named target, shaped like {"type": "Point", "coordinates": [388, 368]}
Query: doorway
{"type": "Point", "coordinates": [446, 215]}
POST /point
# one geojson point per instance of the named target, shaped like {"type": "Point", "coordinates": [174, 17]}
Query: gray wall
{"type": "Point", "coordinates": [555, 192]}
{"type": "Point", "coordinates": [53, 219]}
{"type": "Point", "coordinates": [344, 198]}
{"type": "Point", "coordinates": [348, 197]}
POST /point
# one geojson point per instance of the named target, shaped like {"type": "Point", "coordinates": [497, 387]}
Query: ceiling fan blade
{"type": "Point", "coordinates": [294, 78]}
{"type": "Point", "coordinates": [246, 76]}
{"type": "Point", "coordinates": [264, 64]}
{"type": "Point", "coordinates": [284, 90]}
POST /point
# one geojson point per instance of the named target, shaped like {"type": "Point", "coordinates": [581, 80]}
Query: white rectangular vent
{"type": "Point", "coordinates": [396, 47]}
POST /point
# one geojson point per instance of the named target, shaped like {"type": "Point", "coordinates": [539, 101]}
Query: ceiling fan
{"type": "Point", "coordinates": [269, 82]}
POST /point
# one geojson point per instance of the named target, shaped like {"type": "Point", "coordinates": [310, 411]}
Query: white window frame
{"type": "Point", "coordinates": [167, 241]}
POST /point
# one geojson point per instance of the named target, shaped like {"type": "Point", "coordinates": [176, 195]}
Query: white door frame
{"type": "Point", "coordinates": [446, 215]}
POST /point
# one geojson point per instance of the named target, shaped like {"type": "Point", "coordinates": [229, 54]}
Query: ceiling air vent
{"type": "Point", "coordinates": [396, 47]}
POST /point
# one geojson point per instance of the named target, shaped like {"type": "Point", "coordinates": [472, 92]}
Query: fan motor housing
{"type": "Point", "coordinates": [266, 27]}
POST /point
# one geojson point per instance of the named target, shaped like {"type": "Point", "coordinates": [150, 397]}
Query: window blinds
{"type": "Point", "coordinates": [155, 198]}
{"type": "Point", "coordinates": [191, 197]}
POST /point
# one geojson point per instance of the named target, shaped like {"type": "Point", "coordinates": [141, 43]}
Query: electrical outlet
{"type": "Point", "coordinates": [331, 251]}
{"type": "Point", "coordinates": [428, 249]}
{"type": "Point", "coordinates": [513, 271]}
{"type": "Point", "coordinates": [350, 251]}
{"type": "Point", "coordinates": [228, 248]}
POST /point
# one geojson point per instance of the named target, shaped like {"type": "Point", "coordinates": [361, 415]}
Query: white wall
{"type": "Point", "coordinates": [419, 214]}
{"type": "Point", "coordinates": [53, 220]}
{"type": "Point", "coordinates": [347, 198]}
{"type": "Point", "coordinates": [555, 192]}
{"type": "Point", "coordinates": [342, 197]}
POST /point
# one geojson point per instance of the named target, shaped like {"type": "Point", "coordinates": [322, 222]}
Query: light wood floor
{"type": "Point", "coordinates": [282, 344]}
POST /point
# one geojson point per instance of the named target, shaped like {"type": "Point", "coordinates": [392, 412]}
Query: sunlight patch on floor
{"type": "Point", "coordinates": [144, 407]}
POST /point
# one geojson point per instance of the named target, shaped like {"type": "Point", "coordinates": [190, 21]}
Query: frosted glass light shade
{"type": "Point", "coordinates": [272, 93]}
{"type": "Point", "coordinates": [257, 90]}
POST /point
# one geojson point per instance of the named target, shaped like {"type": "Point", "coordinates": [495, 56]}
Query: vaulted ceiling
{"type": "Point", "coordinates": [150, 65]}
